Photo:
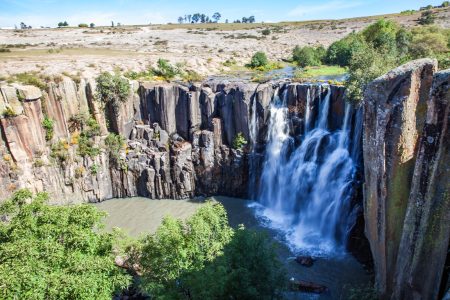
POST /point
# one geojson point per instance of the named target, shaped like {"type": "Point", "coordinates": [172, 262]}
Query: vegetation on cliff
{"type": "Point", "coordinates": [55, 252]}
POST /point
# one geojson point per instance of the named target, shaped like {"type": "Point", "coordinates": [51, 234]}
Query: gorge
{"type": "Point", "coordinates": [320, 168]}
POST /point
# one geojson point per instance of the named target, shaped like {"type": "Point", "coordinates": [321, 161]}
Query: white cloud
{"type": "Point", "coordinates": [307, 10]}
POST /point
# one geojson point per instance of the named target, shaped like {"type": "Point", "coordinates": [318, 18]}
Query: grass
{"type": "Point", "coordinates": [309, 72]}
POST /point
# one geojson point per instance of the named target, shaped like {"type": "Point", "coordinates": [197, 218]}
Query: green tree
{"type": "Point", "coordinates": [178, 248]}
{"type": "Point", "coordinates": [308, 56]}
{"type": "Point", "coordinates": [259, 59]}
{"type": "Point", "coordinates": [248, 269]}
{"type": "Point", "coordinates": [55, 252]}
{"type": "Point", "coordinates": [112, 90]}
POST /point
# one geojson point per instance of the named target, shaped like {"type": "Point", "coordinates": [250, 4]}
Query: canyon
{"type": "Point", "coordinates": [179, 143]}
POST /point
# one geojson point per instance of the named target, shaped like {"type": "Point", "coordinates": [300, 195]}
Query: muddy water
{"type": "Point", "coordinates": [140, 215]}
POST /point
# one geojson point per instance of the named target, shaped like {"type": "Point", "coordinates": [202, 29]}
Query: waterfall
{"type": "Point", "coordinates": [305, 189]}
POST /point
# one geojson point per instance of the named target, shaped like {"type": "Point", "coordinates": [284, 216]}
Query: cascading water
{"type": "Point", "coordinates": [306, 187]}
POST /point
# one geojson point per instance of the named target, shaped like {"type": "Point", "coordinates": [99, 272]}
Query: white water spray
{"type": "Point", "coordinates": [305, 190]}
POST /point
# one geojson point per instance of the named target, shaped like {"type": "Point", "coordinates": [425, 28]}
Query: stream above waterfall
{"type": "Point", "coordinates": [141, 215]}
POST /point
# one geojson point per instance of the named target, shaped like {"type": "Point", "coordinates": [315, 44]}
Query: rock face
{"type": "Point", "coordinates": [426, 228]}
{"type": "Point", "coordinates": [178, 138]}
{"type": "Point", "coordinates": [403, 198]}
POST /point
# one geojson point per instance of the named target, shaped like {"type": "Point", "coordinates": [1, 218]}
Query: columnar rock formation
{"type": "Point", "coordinates": [178, 138]}
{"type": "Point", "coordinates": [406, 172]}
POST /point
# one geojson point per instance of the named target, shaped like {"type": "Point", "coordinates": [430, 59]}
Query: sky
{"type": "Point", "coordinates": [102, 12]}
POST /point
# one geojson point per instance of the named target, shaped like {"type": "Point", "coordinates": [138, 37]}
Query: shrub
{"type": "Point", "coordinates": [266, 32]}
{"type": "Point", "coordinates": [60, 151]}
{"type": "Point", "coordinates": [178, 248]}
{"type": "Point", "coordinates": [86, 147]}
{"type": "Point", "coordinates": [55, 252]}
{"type": "Point", "coordinates": [94, 169]}
{"type": "Point", "coordinates": [239, 141]}
{"type": "Point", "coordinates": [9, 112]}
{"type": "Point", "coordinates": [445, 3]}
{"type": "Point", "coordinates": [112, 90]}
{"type": "Point", "coordinates": [83, 25]}
{"type": "Point", "coordinates": [48, 125]}
{"type": "Point", "coordinates": [427, 18]}
{"type": "Point", "coordinates": [248, 269]}
{"type": "Point", "coordinates": [382, 34]}
{"type": "Point", "coordinates": [165, 69]}
{"type": "Point", "coordinates": [115, 144]}
{"type": "Point", "coordinates": [308, 56]}
{"type": "Point", "coordinates": [259, 59]}
{"type": "Point", "coordinates": [31, 79]}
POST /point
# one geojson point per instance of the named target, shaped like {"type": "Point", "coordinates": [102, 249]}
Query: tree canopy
{"type": "Point", "coordinates": [55, 252]}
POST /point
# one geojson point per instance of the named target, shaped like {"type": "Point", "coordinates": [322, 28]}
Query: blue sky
{"type": "Point", "coordinates": [102, 12]}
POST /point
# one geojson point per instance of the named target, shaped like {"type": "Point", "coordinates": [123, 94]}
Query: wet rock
{"type": "Point", "coordinates": [305, 286]}
{"type": "Point", "coordinates": [306, 261]}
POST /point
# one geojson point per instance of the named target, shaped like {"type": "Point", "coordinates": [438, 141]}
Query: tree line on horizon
{"type": "Point", "coordinates": [202, 18]}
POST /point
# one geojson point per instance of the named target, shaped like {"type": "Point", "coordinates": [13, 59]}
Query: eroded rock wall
{"type": "Point", "coordinates": [178, 138]}
{"type": "Point", "coordinates": [405, 204]}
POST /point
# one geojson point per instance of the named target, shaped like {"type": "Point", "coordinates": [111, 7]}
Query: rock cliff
{"type": "Point", "coordinates": [405, 162]}
{"type": "Point", "coordinates": [178, 139]}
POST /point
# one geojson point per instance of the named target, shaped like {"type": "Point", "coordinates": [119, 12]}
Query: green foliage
{"type": "Point", "coordinates": [83, 25]}
{"type": "Point", "coordinates": [63, 24]}
{"type": "Point", "coordinates": [165, 70]}
{"type": "Point", "coordinates": [31, 79]}
{"type": "Point", "coordinates": [60, 151]}
{"type": "Point", "coordinates": [55, 252]}
{"type": "Point", "coordinates": [308, 56]}
{"type": "Point", "coordinates": [259, 59]}
{"type": "Point", "coordinates": [94, 169]}
{"type": "Point", "coordinates": [115, 144]}
{"type": "Point", "coordinates": [427, 18]}
{"type": "Point", "coordinates": [112, 90]}
{"type": "Point", "coordinates": [191, 76]}
{"type": "Point", "coordinates": [248, 269]}
{"type": "Point", "coordinates": [178, 248]}
{"type": "Point", "coordinates": [445, 3]}
{"type": "Point", "coordinates": [48, 125]}
{"type": "Point", "coordinates": [239, 141]}
{"type": "Point", "coordinates": [340, 52]}
{"type": "Point", "coordinates": [86, 146]}
{"type": "Point", "coordinates": [382, 35]}
{"type": "Point", "coordinates": [266, 32]}
{"type": "Point", "coordinates": [366, 65]}
{"type": "Point", "coordinates": [9, 112]}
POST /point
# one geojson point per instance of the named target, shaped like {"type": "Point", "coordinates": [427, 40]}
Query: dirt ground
{"type": "Point", "coordinates": [200, 47]}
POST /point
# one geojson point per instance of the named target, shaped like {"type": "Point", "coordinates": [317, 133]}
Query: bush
{"type": "Point", "coordinates": [266, 32]}
{"type": "Point", "coordinates": [382, 34]}
{"type": "Point", "coordinates": [178, 248]}
{"type": "Point", "coordinates": [115, 143]}
{"type": "Point", "coordinates": [55, 252]}
{"type": "Point", "coordinates": [60, 151]}
{"type": "Point", "coordinates": [259, 59]}
{"type": "Point", "coordinates": [340, 52]}
{"type": "Point", "coordinates": [48, 125]}
{"type": "Point", "coordinates": [427, 18]}
{"type": "Point", "coordinates": [201, 258]}
{"type": "Point", "coordinates": [248, 269]}
{"type": "Point", "coordinates": [31, 79]}
{"type": "Point", "coordinates": [86, 147]}
{"type": "Point", "coordinates": [239, 141]}
{"type": "Point", "coordinates": [9, 112]}
{"type": "Point", "coordinates": [165, 70]}
{"type": "Point", "coordinates": [83, 25]}
{"type": "Point", "coordinates": [112, 90]}
{"type": "Point", "coordinates": [308, 56]}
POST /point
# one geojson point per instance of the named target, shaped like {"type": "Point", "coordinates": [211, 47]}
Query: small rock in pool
{"type": "Point", "coordinates": [305, 286]}
{"type": "Point", "coordinates": [306, 261]}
